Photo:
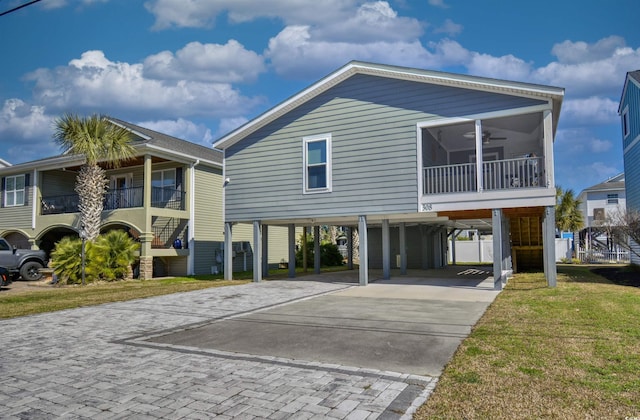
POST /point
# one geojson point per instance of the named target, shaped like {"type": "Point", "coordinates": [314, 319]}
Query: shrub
{"type": "Point", "coordinates": [66, 260]}
{"type": "Point", "coordinates": [112, 255]}
{"type": "Point", "coordinates": [108, 258]}
{"type": "Point", "coordinates": [329, 255]}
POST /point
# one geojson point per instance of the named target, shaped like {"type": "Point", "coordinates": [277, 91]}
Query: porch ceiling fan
{"type": "Point", "coordinates": [486, 136]}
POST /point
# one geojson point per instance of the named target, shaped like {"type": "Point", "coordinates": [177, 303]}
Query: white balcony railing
{"type": "Point", "coordinates": [526, 172]}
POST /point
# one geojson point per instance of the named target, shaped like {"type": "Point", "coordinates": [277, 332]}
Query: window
{"type": "Point", "coordinates": [14, 191]}
{"type": "Point", "coordinates": [163, 185]}
{"type": "Point", "coordinates": [317, 163]}
{"type": "Point", "coordinates": [612, 198]}
{"type": "Point", "coordinates": [625, 122]}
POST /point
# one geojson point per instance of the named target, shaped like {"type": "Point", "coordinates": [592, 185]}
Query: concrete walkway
{"type": "Point", "coordinates": [135, 359]}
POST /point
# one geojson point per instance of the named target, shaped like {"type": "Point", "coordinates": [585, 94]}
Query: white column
{"type": "Point", "coordinates": [363, 250]}
{"type": "Point", "coordinates": [549, 245]}
{"type": "Point", "coordinates": [265, 251]}
{"type": "Point", "coordinates": [228, 251]}
{"type": "Point", "coordinates": [316, 249]}
{"type": "Point", "coordinates": [292, 250]}
{"type": "Point", "coordinates": [257, 251]}
{"type": "Point", "coordinates": [386, 250]}
{"type": "Point", "coordinates": [479, 172]}
{"type": "Point", "coordinates": [548, 150]}
{"type": "Point", "coordinates": [350, 248]}
{"type": "Point", "coordinates": [496, 224]}
{"type": "Point", "coordinates": [403, 249]}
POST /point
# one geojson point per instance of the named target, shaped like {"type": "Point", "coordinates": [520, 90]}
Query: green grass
{"type": "Point", "coordinates": [568, 352]}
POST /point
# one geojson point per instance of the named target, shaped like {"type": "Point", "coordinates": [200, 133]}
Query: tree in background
{"type": "Point", "coordinates": [99, 140]}
{"type": "Point", "coordinates": [568, 215]}
{"type": "Point", "coordinates": [625, 227]}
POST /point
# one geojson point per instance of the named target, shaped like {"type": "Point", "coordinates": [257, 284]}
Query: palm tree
{"type": "Point", "coordinates": [99, 140]}
{"type": "Point", "coordinates": [568, 215]}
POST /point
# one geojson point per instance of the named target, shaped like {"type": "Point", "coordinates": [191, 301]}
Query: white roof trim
{"type": "Point", "coordinates": [423, 76]}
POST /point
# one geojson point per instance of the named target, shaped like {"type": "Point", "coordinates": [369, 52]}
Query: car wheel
{"type": "Point", "coordinates": [30, 271]}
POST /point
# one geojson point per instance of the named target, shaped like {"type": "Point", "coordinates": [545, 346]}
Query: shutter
{"type": "Point", "coordinates": [2, 193]}
{"type": "Point", "coordinates": [26, 189]}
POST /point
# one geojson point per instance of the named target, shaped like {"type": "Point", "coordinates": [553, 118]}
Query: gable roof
{"type": "Point", "coordinates": [634, 77]}
{"type": "Point", "coordinates": [395, 72]}
{"type": "Point", "coordinates": [611, 184]}
{"type": "Point", "coordinates": [145, 141]}
{"type": "Point", "coordinates": [174, 146]}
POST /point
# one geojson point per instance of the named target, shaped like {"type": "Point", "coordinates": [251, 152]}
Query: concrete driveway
{"type": "Point", "coordinates": [309, 348]}
{"type": "Point", "coordinates": [410, 325]}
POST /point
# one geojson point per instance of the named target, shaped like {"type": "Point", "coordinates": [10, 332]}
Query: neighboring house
{"type": "Point", "coordinates": [599, 204]}
{"type": "Point", "coordinates": [629, 111]}
{"type": "Point", "coordinates": [409, 157]}
{"type": "Point", "coordinates": [171, 190]}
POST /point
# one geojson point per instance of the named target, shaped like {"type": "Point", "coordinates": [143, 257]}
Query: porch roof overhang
{"type": "Point", "coordinates": [552, 94]}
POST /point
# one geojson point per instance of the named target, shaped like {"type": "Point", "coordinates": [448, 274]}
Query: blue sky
{"type": "Point", "coordinates": [198, 69]}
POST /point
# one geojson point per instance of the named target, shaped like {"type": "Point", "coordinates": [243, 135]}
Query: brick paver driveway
{"type": "Point", "coordinates": [103, 363]}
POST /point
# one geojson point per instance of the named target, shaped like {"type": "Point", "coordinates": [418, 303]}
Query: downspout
{"type": "Point", "coordinates": [192, 214]}
{"type": "Point", "coordinates": [34, 198]}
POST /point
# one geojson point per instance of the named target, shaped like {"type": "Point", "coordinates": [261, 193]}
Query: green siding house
{"type": "Point", "coordinates": [406, 156]}
{"type": "Point", "coordinates": [169, 197]}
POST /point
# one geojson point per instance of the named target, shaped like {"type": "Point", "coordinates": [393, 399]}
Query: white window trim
{"type": "Point", "coordinates": [612, 199]}
{"type": "Point", "coordinates": [626, 129]}
{"type": "Point", "coordinates": [305, 142]}
{"type": "Point", "coordinates": [6, 191]}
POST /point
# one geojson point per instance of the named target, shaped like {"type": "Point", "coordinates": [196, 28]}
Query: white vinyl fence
{"type": "Point", "coordinates": [597, 256]}
{"type": "Point", "coordinates": [481, 251]}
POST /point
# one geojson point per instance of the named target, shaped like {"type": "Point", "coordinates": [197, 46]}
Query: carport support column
{"type": "Point", "coordinates": [265, 251]}
{"type": "Point", "coordinates": [496, 223]}
{"type": "Point", "coordinates": [363, 251]}
{"type": "Point", "coordinates": [350, 248]}
{"type": "Point", "coordinates": [257, 251]}
{"type": "Point", "coordinates": [386, 250]}
{"type": "Point", "coordinates": [403, 249]}
{"type": "Point", "coordinates": [292, 250]}
{"type": "Point", "coordinates": [549, 245]}
{"type": "Point", "coordinates": [316, 249]}
{"type": "Point", "coordinates": [228, 251]}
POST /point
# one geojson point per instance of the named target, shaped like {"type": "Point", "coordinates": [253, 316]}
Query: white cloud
{"type": "Point", "coordinates": [505, 67]}
{"type": "Point", "coordinates": [601, 170]}
{"type": "Point", "coordinates": [591, 111]}
{"type": "Point", "coordinates": [449, 28]}
{"type": "Point", "coordinates": [439, 3]}
{"type": "Point", "coordinates": [599, 146]}
{"type": "Point", "coordinates": [182, 129]}
{"type": "Point", "coordinates": [229, 63]}
{"type": "Point", "coordinates": [203, 13]}
{"type": "Point", "coordinates": [372, 22]}
{"type": "Point", "coordinates": [569, 52]}
{"type": "Point", "coordinates": [56, 4]}
{"type": "Point", "coordinates": [28, 128]}
{"type": "Point", "coordinates": [294, 53]}
{"type": "Point", "coordinates": [227, 125]}
{"type": "Point", "coordinates": [589, 69]}
{"type": "Point", "coordinates": [93, 83]}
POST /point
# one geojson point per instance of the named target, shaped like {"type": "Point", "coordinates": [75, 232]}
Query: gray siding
{"type": "Point", "coordinates": [55, 183]}
{"type": "Point", "coordinates": [372, 122]}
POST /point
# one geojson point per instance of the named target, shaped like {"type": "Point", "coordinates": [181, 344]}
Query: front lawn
{"type": "Point", "coordinates": [568, 352]}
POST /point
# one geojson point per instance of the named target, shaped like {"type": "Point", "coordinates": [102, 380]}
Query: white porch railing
{"type": "Point", "coordinates": [526, 172]}
{"type": "Point", "coordinates": [450, 178]}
